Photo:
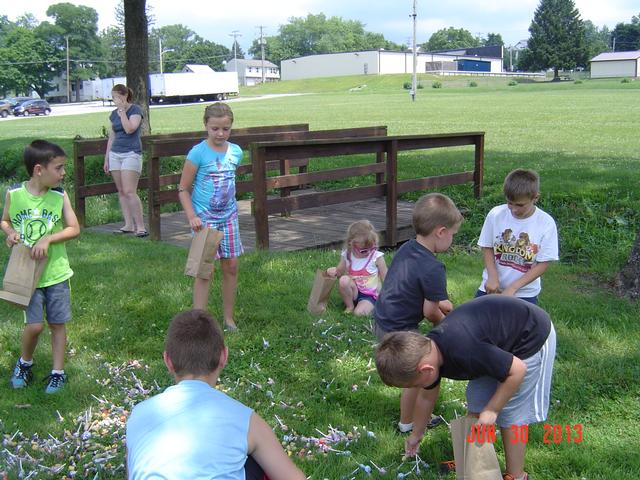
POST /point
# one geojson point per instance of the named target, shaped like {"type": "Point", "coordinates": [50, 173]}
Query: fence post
{"type": "Point", "coordinates": [379, 176]}
{"type": "Point", "coordinates": [153, 172]}
{"type": "Point", "coordinates": [392, 192]}
{"type": "Point", "coordinates": [478, 172]}
{"type": "Point", "coordinates": [78, 174]}
{"type": "Point", "coordinates": [259, 174]}
{"type": "Point", "coordinates": [285, 169]}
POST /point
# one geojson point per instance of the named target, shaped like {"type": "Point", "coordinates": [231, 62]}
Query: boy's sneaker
{"type": "Point", "coordinates": [407, 427]}
{"type": "Point", "coordinates": [55, 382]}
{"type": "Point", "coordinates": [22, 375]}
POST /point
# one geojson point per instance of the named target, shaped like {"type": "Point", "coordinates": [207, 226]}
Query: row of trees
{"type": "Point", "coordinates": [32, 54]}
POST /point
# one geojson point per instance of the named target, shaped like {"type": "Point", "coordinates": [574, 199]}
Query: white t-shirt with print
{"type": "Point", "coordinates": [517, 245]}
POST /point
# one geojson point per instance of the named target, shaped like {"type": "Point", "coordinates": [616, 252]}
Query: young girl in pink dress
{"type": "Point", "coordinates": [361, 269]}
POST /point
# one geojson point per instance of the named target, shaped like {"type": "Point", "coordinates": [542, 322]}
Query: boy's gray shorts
{"type": "Point", "coordinates": [55, 300]}
{"type": "Point", "coordinates": [530, 404]}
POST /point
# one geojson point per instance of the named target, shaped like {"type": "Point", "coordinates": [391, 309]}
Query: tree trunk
{"type": "Point", "coordinates": [137, 55]}
{"type": "Point", "coordinates": [628, 280]}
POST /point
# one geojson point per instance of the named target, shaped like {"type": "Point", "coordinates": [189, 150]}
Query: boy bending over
{"type": "Point", "coordinates": [503, 345]}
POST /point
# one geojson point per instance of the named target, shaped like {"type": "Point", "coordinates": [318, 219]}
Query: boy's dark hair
{"type": "Point", "coordinates": [40, 152]}
{"type": "Point", "coordinates": [435, 210]}
{"type": "Point", "coordinates": [194, 343]}
{"type": "Point", "coordinates": [521, 183]}
{"type": "Point", "coordinates": [398, 356]}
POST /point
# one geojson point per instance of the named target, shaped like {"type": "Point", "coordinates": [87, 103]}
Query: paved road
{"type": "Point", "coordinates": [59, 109]}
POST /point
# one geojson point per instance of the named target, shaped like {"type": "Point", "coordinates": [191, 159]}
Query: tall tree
{"type": "Point", "coordinates": [493, 39]}
{"type": "Point", "coordinates": [137, 55]}
{"type": "Point", "coordinates": [557, 37]}
{"type": "Point", "coordinates": [450, 39]}
{"type": "Point", "coordinates": [80, 25]}
{"type": "Point", "coordinates": [627, 35]}
{"type": "Point", "coordinates": [235, 51]}
{"type": "Point", "coordinates": [596, 39]}
{"type": "Point", "coordinates": [27, 63]}
{"type": "Point", "coordinates": [316, 34]}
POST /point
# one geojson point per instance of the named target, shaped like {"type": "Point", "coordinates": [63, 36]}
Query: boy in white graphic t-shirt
{"type": "Point", "coordinates": [518, 240]}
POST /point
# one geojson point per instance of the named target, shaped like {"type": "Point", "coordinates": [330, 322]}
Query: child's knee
{"type": "Point", "coordinates": [229, 266]}
{"type": "Point", "coordinates": [345, 281]}
{"type": "Point", "coordinates": [34, 328]}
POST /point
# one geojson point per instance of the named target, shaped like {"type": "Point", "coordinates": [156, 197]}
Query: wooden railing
{"type": "Point", "coordinates": [167, 148]}
{"type": "Point", "coordinates": [83, 148]}
{"type": "Point", "coordinates": [385, 148]}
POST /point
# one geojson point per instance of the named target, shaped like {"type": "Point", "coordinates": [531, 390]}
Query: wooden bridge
{"type": "Point", "coordinates": [268, 221]}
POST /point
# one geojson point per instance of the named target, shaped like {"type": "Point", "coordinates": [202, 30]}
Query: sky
{"type": "Point", "coordinates": [215, 20]}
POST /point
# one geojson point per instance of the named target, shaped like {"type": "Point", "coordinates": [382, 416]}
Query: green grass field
{"type": "Point", "coordinates": [307, 374]}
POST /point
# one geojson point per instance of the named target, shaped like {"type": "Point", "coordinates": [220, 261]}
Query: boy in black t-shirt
{"type": "Point", "coordinates": [415, 286]}
{"type": "Point", "coordinates": [503, 345]}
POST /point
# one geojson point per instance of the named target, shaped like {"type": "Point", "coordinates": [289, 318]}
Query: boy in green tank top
{"type": "Point", "coordinates": [38, 213]}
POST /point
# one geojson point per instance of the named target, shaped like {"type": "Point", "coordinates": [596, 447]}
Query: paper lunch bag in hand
{"type": "Point", "coordinates": [202, 253]}
{"type": "Point", "coordinates": [320, 292]}
{"type": "Point", "coordinates": [21, 277]}
{"type": "Point", "coordinates": [474, 460]}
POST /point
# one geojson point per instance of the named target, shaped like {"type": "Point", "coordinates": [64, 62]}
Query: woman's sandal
{"type": "Point", "coordinates": [142, 234]}
{"type": "Point", "coordinates": [122, 231]}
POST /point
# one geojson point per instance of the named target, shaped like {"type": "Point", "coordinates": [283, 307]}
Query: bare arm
{"type": "Point", "coordinates": [185, 187]}
{"type": "Point", "coordinates": [534, 272]}
{"type": "Point", "coordinates": [431, 311]}
{"type": "Point", "coordinates": [504, 392]}
{"type": "Point", "coordinates": [425, 403]}
{"type": "Point", "coordinates": [129, 124]}
{"type": "Point", "coordinates": [13, 237]}
{"type": "Point", "coordinates": [112, 135]}
{"type": "Point", "coordinates": [338, 270]}
{"type": "Point", "coordinates": [267, 451]}
{"type": "Point", "coordinates": [382, 268]}
{"type": "Point", "coordinates": [71, 230]}
{"type": "Point", "coordinates": [492, 285]}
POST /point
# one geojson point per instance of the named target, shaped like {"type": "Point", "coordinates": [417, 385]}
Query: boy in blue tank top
{"type": "Point", "coordinates": [192, 429]}
{"type": "Point", "coordinates": [38, 213]}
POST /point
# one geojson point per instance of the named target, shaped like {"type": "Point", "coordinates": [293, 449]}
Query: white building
{"type": "Point", "coordinates": [616, 64]}
{"type": "Point", "coordinates": [379, 62]}
{"type": "Point", "coordinates": [250, 71]}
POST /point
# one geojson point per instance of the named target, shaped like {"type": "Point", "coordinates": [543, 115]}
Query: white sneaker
{"type": "Point", "coordinates": [405, 427]}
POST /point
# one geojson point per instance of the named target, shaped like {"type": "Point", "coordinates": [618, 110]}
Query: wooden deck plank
{"type": "Point", "coordinates": [319, 227]}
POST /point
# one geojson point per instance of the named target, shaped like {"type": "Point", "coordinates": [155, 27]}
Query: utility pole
{"type": "Point", "coordinates": [235, 34]}
{"type": "Point", "coordinates": [262, 27]}
{"type": "Point", "coordinates": [414, 79]}
{"type": "Point", "coordinates": [68, 83]}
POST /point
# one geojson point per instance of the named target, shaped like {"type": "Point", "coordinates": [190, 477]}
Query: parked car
{"type": "Point", "coordinates": [32, 107]}
{"type": "Point", "coordinates": [5, 108]}
{"type": "Point", "coordinates": [16, 100]}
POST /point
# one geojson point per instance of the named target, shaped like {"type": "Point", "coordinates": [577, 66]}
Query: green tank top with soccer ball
{"type": "Point", "coordinates": [36, 216]}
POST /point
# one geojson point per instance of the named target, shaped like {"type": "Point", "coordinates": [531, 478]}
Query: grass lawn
{"type": "Point", "coordinates": [307, 375]}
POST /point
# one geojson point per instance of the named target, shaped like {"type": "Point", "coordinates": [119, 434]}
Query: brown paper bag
{"type": "Point", "coordinates": [21, 277]}
{"type": "Point", "coordinates": [474, 460]}
{"type": "Point", "coordinates": [320, 292]}
{"type": "Point", "coordinates": [202, 253]}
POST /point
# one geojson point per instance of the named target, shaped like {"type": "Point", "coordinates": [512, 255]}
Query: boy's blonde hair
{"type": "Point", "coordinates": [217, 110]}
{"type": "Point", "coordinates": [521, 183]}
{"type": "Point", "coordinates": [398, 357]}
{"type": "Point", "coordinates": [435, 210]}
{"type": "Point", "coordinates": [362, 229]}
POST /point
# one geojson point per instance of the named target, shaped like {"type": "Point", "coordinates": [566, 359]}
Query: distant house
{"type": "Point", "coordinates": [380, 62]}
{"type": "Point", "coordinates": [616, 64]}
{"type": "Point", "coordinates": [250, 71]}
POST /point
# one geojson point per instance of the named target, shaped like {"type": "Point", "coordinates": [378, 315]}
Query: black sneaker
{"type": "Point", "coordinates": [55, 382]}
{"type": "Point", "coordinates": [22, 375]}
